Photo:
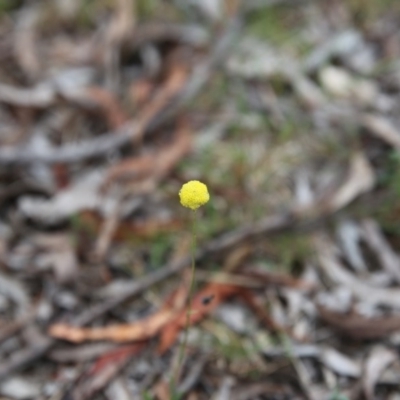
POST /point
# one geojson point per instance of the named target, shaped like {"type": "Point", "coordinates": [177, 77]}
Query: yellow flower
{"type": "Point", "coordinates": [194, 194]}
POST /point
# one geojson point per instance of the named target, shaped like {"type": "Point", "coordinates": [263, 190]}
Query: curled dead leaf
{"type": "Point", "coordinates": [199, 310]}
{"type": "Point", "coordinates": [378, 360]}
{"type": "Point", "coordinates": [358, 327]}
{"type": "Point", "coordinates": [143, 329]}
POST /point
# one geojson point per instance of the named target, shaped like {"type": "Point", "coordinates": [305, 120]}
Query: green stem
{"type": "Point", "coordinates": [183, 345]}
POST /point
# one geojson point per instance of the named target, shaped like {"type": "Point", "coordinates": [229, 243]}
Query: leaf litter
{"type": "Point", "coordinates": [106, 108]}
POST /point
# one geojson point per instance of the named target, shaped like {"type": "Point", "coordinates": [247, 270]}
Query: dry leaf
{"type": "Point", "coordinates": [225, 391]}
{"type": "Point", "coordinates": [350, 236]}
{"type": "Point", "coordinates": [140, 91]}
{"type": "Point", "coordinates": [378, 360]}
{"type": "Point", "coordinates": [104, 99]}
{"type": "Point", "coordinates": [122, 23]}
{"type": "Point", "coordinates": [203, 303]}
{"type": "Point", "coordinates": [16, 291]}
{"type": "Point", "coordinates": [162, 390]}
{"type": "Point", "coordinates": [152, 166]}
{"type": "Point", "coordinates": [278, 279]}
{"type": "Point", "coordinates": [359, 327]}
{"type": "Point", "coordinates": [105, 369]}
{"type": "Point", "coordinates": [382, 128]}
{"type": "Point", "coordinates": [42, 95]}
{"type": "Point", "coordinates": [113, 356]}
{"type": "Point", "coordinates": [82, 195]}
{"type": "Point", "coordinates": [59, 254]}
{"type": "Point", "coordinates": [143, 329]}
{"type": "Point", "coordinates": [261, 312]}
{"type": "Point", "coordinates": [361, 179]}
{"type": "Point", "coordinates": [126, 229]}
{"type": "Point", "coordinates": [25, 41]}
{"type": "Point", "coordinates": [389, 259]}
{"type": "Point", "coordinates": [340, 363]}
{"type": "Point", "coordinates": [174, 83]}
{"type": "Point", "coordinates": [332, 267]}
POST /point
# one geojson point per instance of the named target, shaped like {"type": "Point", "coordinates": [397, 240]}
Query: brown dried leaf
{"type": "Point", "coordinates": [169, 156]}
{"type": "Point", "coordinates": [141, 330]}
{"type": "Point", "coordinates": [203, 303]}
{"type": "Point", "coordinates": [105, 369]}
{"type": "Point", "coordinates": [147, 166]}
{"type": "Point", "coordinates": [359, 327]}
{"type": "Point", "coordinates": [162, 390]}
{"type": "Point", "coordinates": [278, 279]}
{"type": "Point", "coordinates": [104, 99]}
{"type": "Point", "coordinates": [174, 83]}
{"type": "Point", "coordinates": [152, 166]}
{"type": "Point", "coordinates": [140, 91]}
{"type": "Point", "coordinates": [260, 311]}
{"type": "Point", "coordinates": [132, 169]}
{"type": "Point", "coordinates": [123, 22]}
{"type": "Point", "coordinates": [126, 229]}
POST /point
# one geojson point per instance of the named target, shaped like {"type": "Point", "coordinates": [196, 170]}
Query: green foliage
{"type": "Point", "coordinates": [175, 395]}
{"type": "Point", "coordinates": [391, 176]}
{"type": "Point", "coordinates": [146, 8]}
{"type": "Point", "coordinates": [288, 248]}
{"type": "Point", "coordinates": [365, 12]}
{"type": "Point", "coordinates": [336, 395]}
{"type": "Point", "coordinates": [147, 396]}
{"type": "Point", "coordinates": [158, 249]}
{"type": "Point", "coordinates": [9, 5]}
{"type": "Point", "coordinates": [81, 225]}
{"type": "Point", "coordinates": [233, 349]}
{"type": "Point", "coordinates": [279, 25]}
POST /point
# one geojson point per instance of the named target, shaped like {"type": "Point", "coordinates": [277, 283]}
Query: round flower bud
{"type": "Point", "coordinates": [194, 194]}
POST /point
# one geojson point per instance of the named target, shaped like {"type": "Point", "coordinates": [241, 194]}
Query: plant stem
{"type": "Point", "coordinates": [183, 345]}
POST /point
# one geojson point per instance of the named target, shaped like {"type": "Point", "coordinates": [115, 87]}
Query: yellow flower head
{"type": "Point", "coordinates": [194, 194]}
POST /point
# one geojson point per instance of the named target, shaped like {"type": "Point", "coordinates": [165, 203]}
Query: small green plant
{"type": "Point", "coordinates": [336, 395]}
{"type": "Point", "coordinates": [147, 396]}
{"type": "Point", "coordinates": [158, 250]}
{"type": "Point", "coordinates": [193, 195]}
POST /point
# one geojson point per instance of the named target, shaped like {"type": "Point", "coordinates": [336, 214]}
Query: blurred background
{"type": "Point", "coordinates": [288, 110]}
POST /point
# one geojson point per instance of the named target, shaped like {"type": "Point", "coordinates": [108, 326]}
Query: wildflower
{"type": "Point", "coordinates": [194, 194]}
